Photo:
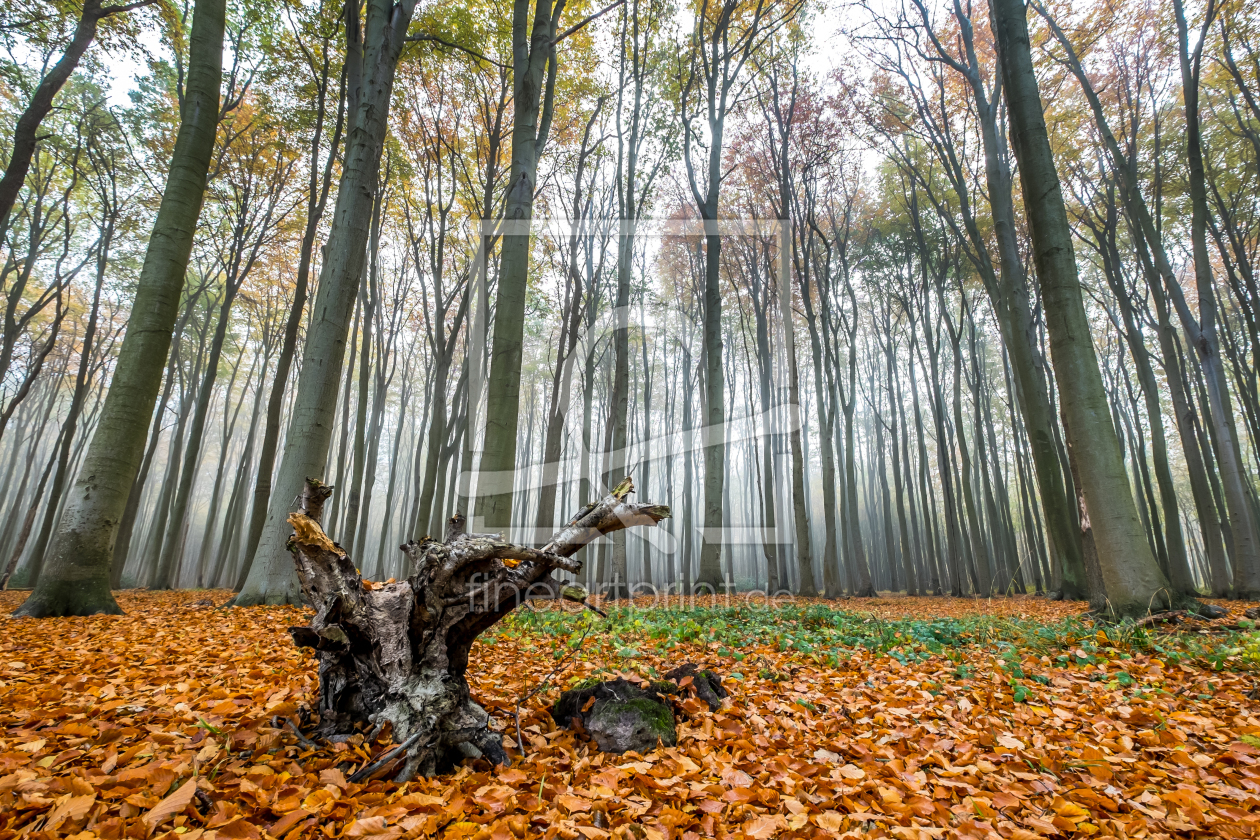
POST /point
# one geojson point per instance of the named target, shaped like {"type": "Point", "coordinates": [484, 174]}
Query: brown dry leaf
{"type": "Point", "coordinates": [375, 827]}
{"type": "Point", "coordinates": [851, 771]}
{"type": "Point", "coordinates": [171, 805]}
{"type": "Point", "coordinates": [759, 828]}
{"type": "Point", "coordinates": [71, 809]}
{"type": "Point", "coordinates": [829, 821]}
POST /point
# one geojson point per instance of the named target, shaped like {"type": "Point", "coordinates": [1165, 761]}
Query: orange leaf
{"type": "Point", "coordinates": [170, 806]}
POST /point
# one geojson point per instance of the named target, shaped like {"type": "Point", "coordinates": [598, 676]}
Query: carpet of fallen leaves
{"type": "Point", "coordinates": [168, 723]}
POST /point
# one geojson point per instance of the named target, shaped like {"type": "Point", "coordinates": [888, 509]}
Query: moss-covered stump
{"type": "Point", "coordinates": [621, 716]}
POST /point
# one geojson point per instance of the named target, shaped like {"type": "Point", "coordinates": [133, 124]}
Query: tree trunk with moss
{"type": "Point", "coordinates": [398, 653]}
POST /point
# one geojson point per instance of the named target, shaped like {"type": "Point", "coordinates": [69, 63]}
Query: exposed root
{"type": "Point", "coordinates": [398, 652]}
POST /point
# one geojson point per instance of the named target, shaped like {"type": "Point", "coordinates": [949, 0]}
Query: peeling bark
{"type": "Point", "coordinates": [398, 653]}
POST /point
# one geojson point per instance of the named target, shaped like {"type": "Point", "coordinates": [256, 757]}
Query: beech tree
{"type": "Point", "coordinates": [374, 46]}
{"type": "Point", "coordinates": [1131, 579]}
{"type": "Point", "coordinates": [76, 579]}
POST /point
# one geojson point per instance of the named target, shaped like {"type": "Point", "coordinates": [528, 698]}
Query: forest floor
{"type": "Point", "coordinates": [901, 717]}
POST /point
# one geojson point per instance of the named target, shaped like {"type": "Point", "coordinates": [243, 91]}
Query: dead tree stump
{"type": "Point", "coordinates": [397, 653]}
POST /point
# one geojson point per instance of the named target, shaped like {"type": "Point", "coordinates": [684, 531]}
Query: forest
{"type": "Point", "coordinates": [868, 384]}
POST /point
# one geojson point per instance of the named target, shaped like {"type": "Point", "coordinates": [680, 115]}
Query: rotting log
{"type": "Point", "coordinates": [397, 653]}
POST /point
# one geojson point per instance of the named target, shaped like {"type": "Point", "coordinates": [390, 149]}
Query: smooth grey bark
{"type": "Point", "coordinates": [149, 560]}
{"type": "Point", "coordinates": [982, 575]}
{"type": "Point", "coordinates": [928, 506]}
{"type": "Point", "coordinates": [234, 512]}
{"type": "Point", "coordinates": [826, 435]}
{"type": "Point", "coordinates": [1239, 493]}
{"type": "Point", "coordinates": [383, 378]}
{"type": "Point", "coordinates": [936, 401]}
{"type": "Point", "coordinates": [762, 297]}
{"type": "Point", "coordinates": [19, 450]}
{"type": "Point", "coordinates": [131, 513]}
{"type": "Point", "coordinates": [319, 182]}
{"type": "Point", "coordinates": [997, 499]}
{"type": "Point", "coordinates": [1205, 505]}
{"type": "Point", "coordinates": [1132, 580]}
{"type": "Point", "coordinates": [347, 394]}
{"type": "Point", "coordinates": [369, 300]}
{"type": "Point", "coordinates": [575, 300]}
{"type": "Point", "coordinates": [395, 462]}
{"type": "Point", "coordinates": [76, 581]}
{"type": "Point", "coordinates": [686, 567]}
{"type": "Point", "coordinates": [723, 39]}
{"type": "Point", "coordinates": [534, 71]}
{"type": "Point", "coordinates": [900, 456]}
{"type": "Point", "coordinates": [835, 316]}
{"type": "Point", "coordinates": [1171, 540]}
{"type": "Point", "coordinates": [632, 188]}
{"type": "Point", "coordinates": [78, 398]}
{"type": "Point", "coordinates": [231, 412]}
{"type": "Point", "coordinates": [880, 477]}
{"type": "Point", "coordinates": [32, 510]}
{"type": "Point", "coordinates": [256, 212]}
{"type": "Point", "coordinates": [1007, 288]}
{"type": "Point", "coordinates": [428, 234]}
{"type": "Point", "coordinates": [780, 120]}
{"type": "Point", "coordinates": [271, 579]}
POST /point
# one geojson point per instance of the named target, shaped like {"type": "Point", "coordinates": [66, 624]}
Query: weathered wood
{"type": "Point", "coordinates": [397, 653]}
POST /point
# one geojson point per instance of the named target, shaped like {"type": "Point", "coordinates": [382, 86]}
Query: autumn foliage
{"type": "Point", "coordinates": [170, 722]}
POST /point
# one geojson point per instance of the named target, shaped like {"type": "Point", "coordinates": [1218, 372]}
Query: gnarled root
{"type": "Point", "coordinates": [397, 653]}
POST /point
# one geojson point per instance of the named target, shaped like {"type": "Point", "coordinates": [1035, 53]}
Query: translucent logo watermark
{"type": "Point", "coordinates": [489, 594]}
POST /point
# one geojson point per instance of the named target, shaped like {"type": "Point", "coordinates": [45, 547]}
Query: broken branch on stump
{"type": "Point", "coordinates": [398, 652]}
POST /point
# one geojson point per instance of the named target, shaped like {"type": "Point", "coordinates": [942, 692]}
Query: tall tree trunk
{"type": "Point", "coordinates": [77, 400]}
{"type": "Point", "coordinates": [76, 581]}
{"type": "Point", "coordinates": [229, 540]}
{"type": "Point", "coordinates": [534, 81]}
{"type": "Point", "coordinates": [688, 523]}
{"type": "Point", "coordinates": [1239, 496]}
{"type": "Point", "coordinates": [369, 302]}
{"type": "Point", "coordinates": [271, 579]}
{"type": "Point", "coordinates": [168, 567]}
{"type": "Point", "coordinates": [1132, 579]}
{"type": "Point", "coordinates": [131, 513]}
{"type": "Point", "coordinates": [1148, 241]}
{"type": "Point", "coordinates": [1172, 538]}
{"type": "Point", "coordinates": [347, 397]}
{"type": "Point", "coordinates": [316, 200]}
{"type": "Point", "coordinates": [32, 510]}
{"type": "Point", "coordinates": [900, 464]}
{"type": "Point", "coordinates": [571, 323]}
{"type": "Point", "coordinates": [982, 576]}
